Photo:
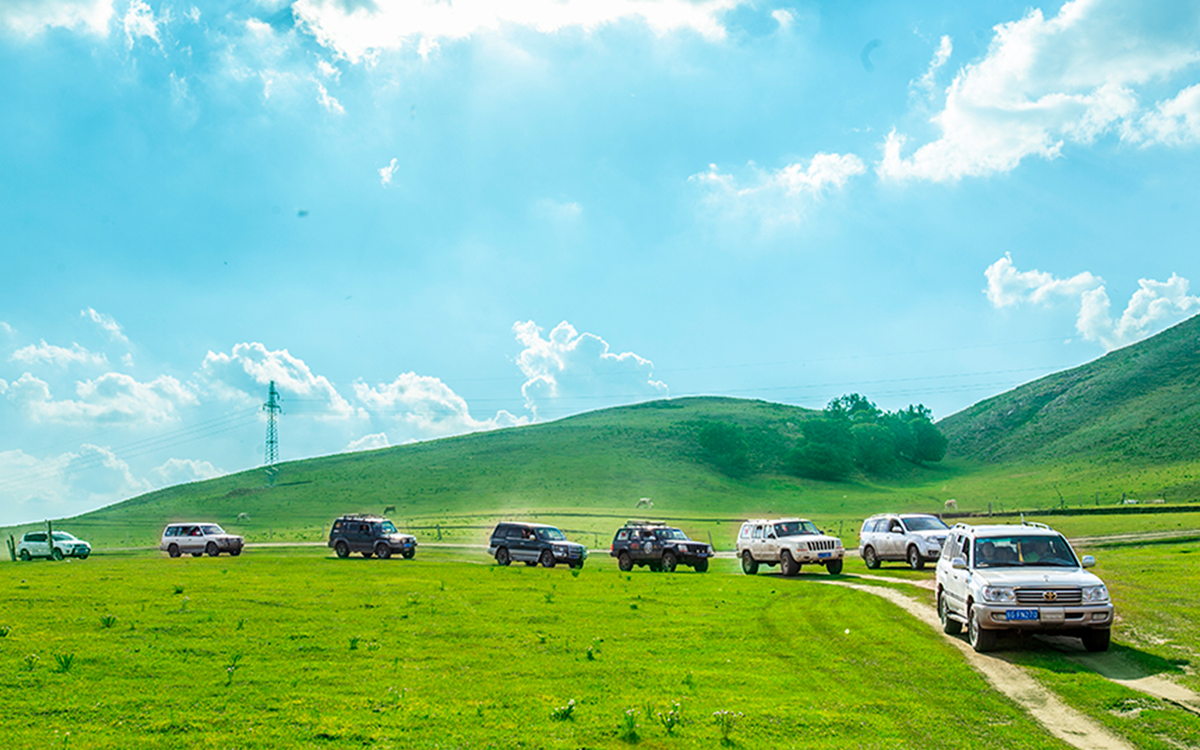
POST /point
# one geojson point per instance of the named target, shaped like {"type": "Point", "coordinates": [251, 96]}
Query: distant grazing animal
{"type": "Point", "coordinates": [389, 509]}
{"type": "Point", "coordinates": [951, 504]}
{"type": "Point", "coordinates": [645, 502]}
{"type": "Point", "coordinates": [243, 517]}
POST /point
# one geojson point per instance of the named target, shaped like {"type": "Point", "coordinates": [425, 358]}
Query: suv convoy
{"type": "Point", "coordinates": [533, 543]}
{"type": "Point", "coordinates": [916, 538]}
{"type": "Point", "coordinates": [199, 539]}
{"type": "Point", "coordinates": [34, 544]}
{"type": "Point", "coordinates": [370, 535]}
{"type": "Point", "coordinates": [1019, 577]}
{"type": "Point", "coordinates": [659, 546]}
{"type": "Point", "coordinates": [788, 543]}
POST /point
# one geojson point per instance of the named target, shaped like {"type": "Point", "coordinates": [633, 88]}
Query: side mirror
{"type": "Point", "coordinates": [958, 563]}
{"type": "Point", "coordinates": [1089, 561]}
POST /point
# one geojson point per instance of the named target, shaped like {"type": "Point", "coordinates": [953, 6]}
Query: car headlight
{"type": "Point", "coordinates": [1095, 593]}
{"type": "Point", "coordinates": [1001, 594]}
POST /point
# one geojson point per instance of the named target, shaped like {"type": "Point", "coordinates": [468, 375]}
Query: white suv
{"type": "Point", "coordinates": [34, 544]}
{"type": "Point", "coordinates": [788, 543]}
{"type": "Point", "coordinates": [916, 538]}
{"type": "Point", "coordinates": [1019, 577]}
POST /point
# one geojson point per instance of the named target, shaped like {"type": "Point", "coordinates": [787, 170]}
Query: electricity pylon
{"type": "Point", "coordinates": [272, 408]}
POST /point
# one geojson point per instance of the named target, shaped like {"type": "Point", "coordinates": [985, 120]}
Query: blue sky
{"type": "Point", "coordinates": [426, 218]}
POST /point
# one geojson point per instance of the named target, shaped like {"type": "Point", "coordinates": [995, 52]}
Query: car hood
{"type": "Point", "coordinates": [808, 538]}
{"type": "Point", "coordinates": [1035, 576]}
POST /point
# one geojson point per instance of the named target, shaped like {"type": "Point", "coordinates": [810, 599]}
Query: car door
{"type": "Point", "coordinates": [957, 581]}
{"type": "Point", "coordinates": [521, 542]}
{"type": "Point", "coordinates": [893, 544]}
{"type": "Point", "coordinates": [758, 542]}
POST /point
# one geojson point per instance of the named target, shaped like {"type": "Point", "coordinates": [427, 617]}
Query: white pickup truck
{"type": "Point", "coordinates": [789, 543]}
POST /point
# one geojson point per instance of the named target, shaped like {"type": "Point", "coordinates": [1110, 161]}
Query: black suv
{"type": "Point", "coordinates": [533, 543]}
{"type": "Point", "coordinates": [660, 546]}
{"type": "Point", "coordinates": [370, 535]}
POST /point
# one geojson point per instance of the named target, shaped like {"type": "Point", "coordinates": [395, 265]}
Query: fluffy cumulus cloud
{"type": "Point", "coordinates": [31, 17]}
{"type": "Point", "coordinates": [358, 31]}
{"type": "Point", "coordinates": [244, 374]}
{"type": "Point", "coordinates": [57, 355]}
{"type": "Point", "coordinates": [1046, 82]}
{"type": "Point", "coordinates": [183, 470]}
{"type": "Point", "coordinates": [1175, 122]}
{"type": "Point", "coordinates": [426, 407]}
{"type": "Point", "coordinates": [106, 323]}
{"type": "Point", "coordinates": [1154, 303]}
{"type": "Point", "coordinates": [64, 484]}
{"type": "Point", "coordinates": [368, 443]}
{"type": "Point", "coordinates": [111, 398]}
{"type": "Point", "coordinates": [781, 195]}
{"type": "Point", "coordinates": [568, 371]}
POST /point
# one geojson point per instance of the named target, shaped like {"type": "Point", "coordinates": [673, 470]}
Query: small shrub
{"type": "Point", "coordinates": [241, 623]}
{"type": "Point", "coordinates": [64, 662]}
{"type": "Point", "coordinates": [178, 589]}
{"type": "Point", "coordinates": [726, 721]}
{"type": "Point", "coordinates": [31, 662]}
{"type": "Point", "coordinates": [627, 730]}
{"type": "Point", "coordinates": [108, 621]}
{"type": "Point", "coordinates": [689, 681]}
{"type": "Point", "coordinates": [564, 713]}
{"type": "Point", "coordinates": [5, 630]}
{"type": "Point", "coordinates": [591, 654]}
{"type": "Point", "coordinates": [575, 572]}
{"type": "Point", "coordinates": [549, 597]}
{"type": "Point", "coordinates": [672, 718]}
{"type": "Point", "coordinates": [354, 643]}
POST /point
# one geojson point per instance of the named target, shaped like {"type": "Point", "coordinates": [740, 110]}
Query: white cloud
{"type": "Point", "coordinates": [358, 32]}
{"type": "Point", "coordinates": [368, 443]}
{"type": "Point", "coordinates": [427, 407]}
{"type": "Point", "coordinates": [141, 23]}
{"type": "Point", "coordinates": [1154, 302]}
{"type": "Point", "coordinates": [925, 84]}
{"type": "Point", "coordinates": [65, 484]}
{"type": "Point", "coordinates": [6, 329]}
{"type": "Point", "coordinates": [1044, 83]}
{"type": "Point", "coordinates": [107, 324]}
{"type": "Point", "coordinates": [784, 18]}
{"type": "Point", "coordinates": [782, 195]}
{"type": "Point", "coordinates": [385, 173]}
{"type": "Point", "coordinates": [32, 17]}
{"type": "Point", "coordinates": [183, 470]}
{"type": "Point", "coordinates": [327, 101]}
{"type": "Point", "coordinates": [3, 386]}
{"type": "Point", "coordinates": [57, 355]}
{"type": "Point", "coordinates": [243, 375]}
{"type": "Point", "coordinates": [567, 371]}
{"type": "Point", "coordinates": [111, 398]}
{"type": "Point", "coordinates": [557, 212]}
{"type": "Point", "coordinates": [1175, 122]}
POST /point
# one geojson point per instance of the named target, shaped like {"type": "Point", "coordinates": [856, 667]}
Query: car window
{"type": "Point", "coordinates": [62, 536]}
{"type": "Point", "coordinates": [745, 531]}
{"type": "Point", "coordinates": [35, 537]}
{"type": "Point", "coordinates": [623, 534]}
{"type": "Point", "coordinates": [551, 535]}
{"type": "Point", "coordinates": [896, 527]}
{"type": "Point", "coordinates": [758, 532]}
{"type": "Point", "coordinates": [1023, 550]}
{"type": "Point", "coordinates": [387, 527]}
{"type": "Point", "coordinates": [671, 534]}
{"type": "Point", "coordinates": [212, 530]}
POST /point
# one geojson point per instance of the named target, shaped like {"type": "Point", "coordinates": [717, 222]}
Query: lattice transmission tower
{"type": "Point", "coordinates": [273, 408]}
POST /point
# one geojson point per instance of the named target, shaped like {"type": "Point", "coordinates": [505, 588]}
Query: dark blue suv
{"type": "Point", "coordinates": [533, 543]}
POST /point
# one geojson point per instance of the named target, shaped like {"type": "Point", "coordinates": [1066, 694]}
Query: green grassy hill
{"type": "Point", "coordinates": [1138, 405]}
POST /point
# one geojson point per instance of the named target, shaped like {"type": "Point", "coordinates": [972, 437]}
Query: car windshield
{"type": "Point", "coordinates": [925, 523]}
{"type": "Point", "coordinates": [212, 529]}
{"type": "Point", "coordinates": [387, 527]}
{"type": "Point", "coordinates": [63, 536]}
{"type": "Point", "coordinates": [551, 535]}
{"type": "Point", "coordinates": [1024, 551]}
{"type": "Point", "coordinates": [795, 528]}
{"type": "Point", "coordinates": [671, 534]}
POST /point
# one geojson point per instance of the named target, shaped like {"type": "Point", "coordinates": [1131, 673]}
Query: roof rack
{"type": "Point", "coordinates": [633, 522]}
{"type": "Point", "coordinates": [1035, 525]}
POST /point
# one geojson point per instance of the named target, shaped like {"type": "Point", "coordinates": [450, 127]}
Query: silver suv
{"type": "Point", "coordinates": [788, 543]}
{"type": "Point", "coordinates": [199, 539]}
{"type": "Point", "coordinates": [1019, 577]}
{"type": "Point", "coordinates": [915, 538]}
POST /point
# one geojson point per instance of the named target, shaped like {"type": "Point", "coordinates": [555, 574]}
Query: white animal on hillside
{"type": "Point", "coordinates": [951, 504]}
{"type": "Point", "coordinates": [389, 509]}
{"type": "Point", "coordinates": [243, 517]}
{"type": "Point", "coordinates": [645, 502]}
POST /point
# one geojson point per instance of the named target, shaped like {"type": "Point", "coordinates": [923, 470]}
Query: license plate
{"type": "Point", "coordinates": [1020, 614]}
{"type": "Point", "coordinates": [823, 555]}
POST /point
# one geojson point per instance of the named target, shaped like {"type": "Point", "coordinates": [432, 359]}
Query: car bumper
{"type": "Point", "coordinates": [818, 557]}
{"type": "Point", "coordinates": [571, 553]}
{"type": "Point", "coordinates": [996, 617]}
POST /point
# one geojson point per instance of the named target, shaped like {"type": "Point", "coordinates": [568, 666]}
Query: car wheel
{"type": "Point", "coordinates": [56, 554]}
{"type": "Point", "coordinates": [701, 566]}
{"type": "Point", "coordinates": [173, 550]}
{"type": "Point", "coordinates": [915, 561]}
{"type": "Point", "coordinates": [624, 562]}
{"type": "Point", "coordinates": [870, 558]}
{"type": "Point", "coordinates": [502, 557]}
{"type": "Point", "coordinates": [950, 626]}
{"type": "Point", "coordinates": [408, 553]}
{"type": "Point", "coordinates": [749, 564]}
{"type": "Point", "coordinates": [787, 566]}
{"type": "Point", "coordinates": [834, 567]}
{"type": "Point", "coordinates": [981, 640]}
{"type": "Point", "coordinates": [211, 549]}
{"type": "Point", "coordinates": [1096, 640]}
{"type": "Point", "coordinates": [547, 559]}
{"type": "Point", "coordinates": [382, 551]}
{"type": "Point", "coordinates": [24, 555]}
{"type": "Point", "coordinates": [341, 549]}
{"type": "Point", "coordinates": [83, 555]}
{"type": "Point", "coordinates": [669, 561]}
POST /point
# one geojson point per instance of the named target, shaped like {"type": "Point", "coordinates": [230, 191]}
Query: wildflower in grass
{"type": "Point", "coordinates": [629, 726]}
{"type": "Point", "coordinates": [563, 713]}
{"type": "Point", "coordinates": [591, 654]}
{"type": "Point", "coordinates": [231, 667]}
{"type": "Point", "coordinates": [672, 718]}
{"type": "Point", "coordinates": [64, 662]}
{"type": "Point", "coordinates": [726, 721]}
{"type": "Point", "coordinates": [5, 630]}
{"type": "Point", "coordinates": [108, 621]}
{"type": "Point", "coordinates": [31, 662]}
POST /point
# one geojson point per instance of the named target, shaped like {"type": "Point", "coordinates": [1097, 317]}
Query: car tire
{"type": "Point", "coordinates": [382, 551]}
{"type": "Point", "coordinates": [341, 549]}
{"type": "Point", "coordinates": [833, 567]}
{"type": "Point", "coordinates": [870, 559]}
{"type": "Point", "coordinates": [701, 566]}
{"type": "Point", "coordinates": [173, 550]}
{"type": "Point", "coordinates": [547, 559]}
{"type": "Point", "coordinates": [502, 556]}
{"type": "Point", "coordinates": [950, 626]}
{"type": "Point", "coordinates": [408, 554]}
{"type": "Point", "coordinates": [981, 640]}
{"type": "Point", "coordinates": [211, 549]}
{"type": "Point", "coordinates": [787, 566]}
{"type": "Point", "coordinates": [1096, 641]}
{"type": "Point", "coordinates": [749, 564]}
{"type": "Point", "coordinates": [24, 555]}
{"type": "Point", "coordinates": [624, 562]}
{"type": "Point", "coordinates": [669, 561]}
{"type": "Point", "coordinates": [83, 555]}
{"type": "Point", "coordinates": [915, 561]}
{"type": "Point", "coordinates": [56, 554]}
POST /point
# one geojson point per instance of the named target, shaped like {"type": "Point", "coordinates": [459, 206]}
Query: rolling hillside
{"type": "Point", "coordinates": [1137, 405]}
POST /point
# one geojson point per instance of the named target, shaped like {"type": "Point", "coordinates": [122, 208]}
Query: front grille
{"type": "Point", "coordinates": [821, 545]}
{"type": "Point", "coordinates": [1049, 596]}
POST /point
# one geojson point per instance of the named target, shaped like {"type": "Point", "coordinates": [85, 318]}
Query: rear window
{"type": "Point", "coordinates": [623, 534]}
